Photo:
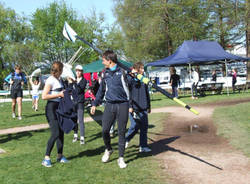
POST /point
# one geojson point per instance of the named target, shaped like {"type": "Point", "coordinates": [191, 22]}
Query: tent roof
{"type": "Point", "coordinates": [198, 52]}
{"type": "Point", "coordinates": [97, 66]}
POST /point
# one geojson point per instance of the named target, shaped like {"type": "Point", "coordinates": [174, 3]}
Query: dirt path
{"type": "Point", "coordinates": [200, 157]}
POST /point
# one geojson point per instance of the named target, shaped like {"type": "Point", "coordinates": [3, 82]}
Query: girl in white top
{"type": "Point", "coordinates": [195, 81]}
{"type": "Point", "coordinates": [35, 92]}
{"type": "Point", "coordinates": [53, 91]}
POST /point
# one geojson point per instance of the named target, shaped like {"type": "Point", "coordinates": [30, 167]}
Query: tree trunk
{"type": "Point", "coordinates": [168, 38]}
{"type": "Point", "coordinates": [248, 36]}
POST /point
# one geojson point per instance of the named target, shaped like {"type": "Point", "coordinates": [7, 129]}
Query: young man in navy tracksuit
{"type": "Point", "coordinates": [139, 109]}
{"type": "Point", "coordinates": [114, 87]}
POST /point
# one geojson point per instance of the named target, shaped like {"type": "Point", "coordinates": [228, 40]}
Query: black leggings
{"type": "Point", "coordinates": [117, 111]}
{"type": "Point", "coordinates": [57, 135]}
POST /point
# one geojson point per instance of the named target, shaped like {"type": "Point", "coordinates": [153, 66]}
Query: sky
{"type": "Point", "coordinates": [82, 7]}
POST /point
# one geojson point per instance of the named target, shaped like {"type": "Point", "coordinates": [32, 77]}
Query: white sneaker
{"type": "Point", "coordinates": [19, 117]}
{"type": "Point", "coordinates": [144, 149]}
{"type": "Point", "coordinates": [106, 155]}
{"type": "Point", "coordinates": [82, 141]}
{"type": "Point", "coordinates": [126, 144]}
{"type": "Point", "coordinates": [13, 115]}
{"type": "Point", "coordinates": [121, 163]}
{"type": "Point", "coordinates": [75, 138]}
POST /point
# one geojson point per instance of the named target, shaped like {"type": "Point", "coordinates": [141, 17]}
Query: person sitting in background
{"type": "Point", "coordinates": [89, 97]}
{"type": "Point", "coordinates": [214, 76]}
{"type": "Point", "coordinates": [35, 92]}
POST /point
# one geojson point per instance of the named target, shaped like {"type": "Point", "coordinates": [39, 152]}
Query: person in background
{"type": "Point", "coordinates": [195, 81]}
{"type": "Point", "coordinates": [52, 92]}
{"type": "Point", "coordinates": [139, 109]}
{"type": "Point", "coordinates": [35, 92]}
{"type": "Point", "coordinates": [174, 82]}
{"type": "Point", "coordinates": [78, 88]}
{"type": "Point", "coordinates": [89, 97]}
{"type": "Point", "coordinates": [16, 80]}
{"type": "Point", "coordinates": [214, 76]}
{"type": "Point", "coordinates": [115, 88]}
{"type": "Point", "coordinates": [234, 78]}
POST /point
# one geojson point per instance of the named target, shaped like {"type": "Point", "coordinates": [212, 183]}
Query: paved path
{"type": "Point", "coordinates": [36, 127]}
{"type": "Point", "coordinates": [88, 119]}
{"type": "Point", "coordinates": [3, 100]}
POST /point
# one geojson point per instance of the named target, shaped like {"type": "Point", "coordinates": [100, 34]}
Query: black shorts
{"type": "Point", "coordinates": [16, 93]}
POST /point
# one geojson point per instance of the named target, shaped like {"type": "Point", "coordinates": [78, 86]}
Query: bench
{"type": "Point", "coordinates": [216, 87]}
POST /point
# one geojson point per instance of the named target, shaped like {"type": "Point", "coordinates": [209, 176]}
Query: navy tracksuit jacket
{"type": "Point", "coordinates": [140, 99]}
{"type": "Point", "coordinates": [114, 87]}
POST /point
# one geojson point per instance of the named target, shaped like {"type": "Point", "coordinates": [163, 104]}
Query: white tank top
{"type": "Point", "coordinates": [35, 89]}
{"type": "Point", "coordinates": [55, 84]}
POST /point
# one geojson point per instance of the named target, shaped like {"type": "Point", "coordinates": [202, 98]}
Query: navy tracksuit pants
{"type": "Point", "coordinates": [114, 111]}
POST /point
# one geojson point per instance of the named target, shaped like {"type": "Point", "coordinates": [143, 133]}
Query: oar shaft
{"type": "Point", "coordinates": [143, 79]}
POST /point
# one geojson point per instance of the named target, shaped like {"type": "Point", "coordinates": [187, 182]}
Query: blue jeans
{"type": "Point", "coordinates": [175, 91]}
{"type": "Point", "coordinates": [194, 89]}
{"type": "Point", "coordinates": [136, 124]}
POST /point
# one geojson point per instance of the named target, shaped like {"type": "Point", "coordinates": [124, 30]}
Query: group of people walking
{"type": "Point", "coordinates": [124, 95]}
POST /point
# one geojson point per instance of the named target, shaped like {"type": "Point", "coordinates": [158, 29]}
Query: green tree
{"type": "Point", "coordinates": [14, 30]}
{"type": "Point", "coordinates": [153, 29]}
{"type": "Point", "coordinates": [248, 36]}
{"type": "Point", "coordinates": [227, 21]}
{"type": "Point", "coordinates": [48, 24]}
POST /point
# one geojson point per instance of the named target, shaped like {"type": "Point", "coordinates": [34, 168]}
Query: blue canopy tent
{"type": "Point", "coordinates": [198, 53]}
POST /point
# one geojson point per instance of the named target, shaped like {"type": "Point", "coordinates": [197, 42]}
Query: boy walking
{"type": "Point", "coordinates": [139, 109]}
{"type": "Point", "coordinates": [114, 87]}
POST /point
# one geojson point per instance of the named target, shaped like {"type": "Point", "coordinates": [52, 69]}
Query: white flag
{"type": "Point", "coordinates": [67, 72]}
{"type": "Point", "coordinates": [36, 73]}
{"type": "Point", "coordinates": [69, 33]}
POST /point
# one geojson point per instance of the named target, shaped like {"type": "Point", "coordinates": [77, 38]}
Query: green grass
{"type": "Point", "coordinates": [22, 162]}
{"type": "Point", "coordinates": [157, 100]}
{"type": "Point", "coordinates": [233, 122]}
{"type": "Point", "coordinates": [30, 117]}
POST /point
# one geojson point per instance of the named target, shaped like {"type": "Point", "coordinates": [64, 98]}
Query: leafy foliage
{"type": "Point", "coordinates": [153, 29]}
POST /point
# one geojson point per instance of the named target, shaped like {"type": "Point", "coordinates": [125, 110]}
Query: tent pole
{"type": "Point", "coordinates": [190, 77]}
{"type": "Point", "coordinates": [189, 71]}
{"type": "Point", "coordinates": [226, 77]}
